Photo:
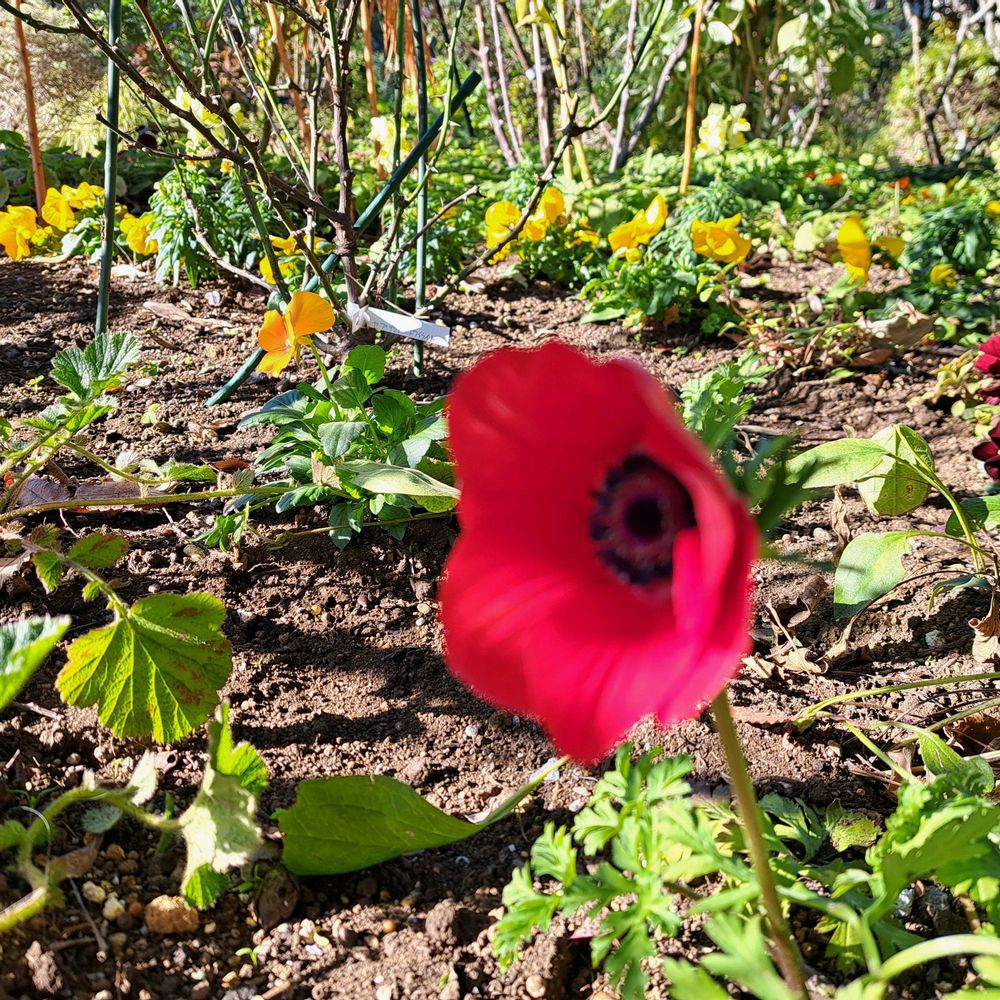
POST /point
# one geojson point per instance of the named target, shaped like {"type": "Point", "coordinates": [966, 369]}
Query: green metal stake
{"type": "Point", "coordinates": [363, 221]}
{"type": "Point", "coordinates": [421, 247]}
{"type": "Point", "coordinates": [110, 176]}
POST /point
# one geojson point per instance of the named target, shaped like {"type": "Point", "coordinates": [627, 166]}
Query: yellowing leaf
{"type": "Point", "coordinates": [156, 670]}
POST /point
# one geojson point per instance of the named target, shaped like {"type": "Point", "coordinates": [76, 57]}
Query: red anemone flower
{"type": "Point", "coordinates": [602, 572]}
{"type": "Point", "coordinates": [988, 361]}
{"type": "Point", "coordinates": [988, 452]}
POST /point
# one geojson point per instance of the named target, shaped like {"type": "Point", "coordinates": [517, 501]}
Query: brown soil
{"type": "Point", "coordinates": [338, 668]}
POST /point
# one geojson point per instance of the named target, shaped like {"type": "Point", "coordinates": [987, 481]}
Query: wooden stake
{"type": "Point", "coordinates": [689, 120]}
{"type": "Point", "coordinates": [37, 167]}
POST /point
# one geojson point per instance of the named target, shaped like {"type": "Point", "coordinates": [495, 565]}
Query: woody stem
{"type": "Point", "coordinates": [786, 951]}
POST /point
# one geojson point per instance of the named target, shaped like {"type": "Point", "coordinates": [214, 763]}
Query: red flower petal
{"type": "Point", "coordinates": [541, 618]}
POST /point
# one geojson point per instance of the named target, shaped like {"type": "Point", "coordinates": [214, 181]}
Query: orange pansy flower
{"type": "Point", "coordinates": [282, 334]}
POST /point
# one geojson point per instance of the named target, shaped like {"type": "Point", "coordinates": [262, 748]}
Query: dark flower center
{"type": "Point", "coordinates": [637, 516]}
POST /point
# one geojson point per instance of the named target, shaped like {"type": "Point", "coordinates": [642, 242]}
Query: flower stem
{"type": "Point", "coordinates": [786, 951]}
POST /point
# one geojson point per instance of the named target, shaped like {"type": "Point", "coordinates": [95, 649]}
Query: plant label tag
{"type": "Point", "coordinates": [398, 323]}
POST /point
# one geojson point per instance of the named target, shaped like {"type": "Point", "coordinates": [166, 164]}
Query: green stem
{"type": "Point", "coordinates": [110, 175]}
{"type": "Point", "coordinates": [420, 280]}
{"type": "Point", "coordinates": [786, 951]}
{"type": "Point", "coordinates": [937, 948]}
{"type": "Point", "coordinates": [809, 713]}
{"type": "Point", "coordinates": [323, 369]}
{"type": "Point", "coordinates": [156, 501]}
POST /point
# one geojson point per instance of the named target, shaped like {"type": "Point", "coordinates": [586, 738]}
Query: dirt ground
{"type": "Point", "coordinates": [338, 667]}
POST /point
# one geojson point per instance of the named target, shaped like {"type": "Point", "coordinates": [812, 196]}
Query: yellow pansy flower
{"type": "Point", "coordinates": [501, 217]}
{"type": "Point", "coordinates": [892, 245]}
{"type": "Point", "coordinates": [584, 234]}
{"type": "Point", "coordinates": [283, 333]}
{"type": "Point", "coordinates": [136, 232]}
{"type": "Point", "coordinates": [56, 211]}
{"type": "Point", "coordinates": [720, 240]}
{"type": "Point", "coordinates": [535, 228]}
{"type": "Point", "coordinates": [85, 195]}
{"type": "Point", "coordinates": [642, 227]}
{"type": "Point", "coordinates": [552, 204]}
{"type": "Point", "coordinates": [993, 209]}
{"type": "Point", "coordinates": [855, 250]}
{"type": "Point", "coordinates": [17, 226]}
{"type": "Point", "coordinates": [944, 275]}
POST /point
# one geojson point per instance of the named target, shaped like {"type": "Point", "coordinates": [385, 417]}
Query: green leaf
{"type": "Point", "coordinates": [842, 74]}
{"type": "Point", "coordinates": [156, 670]}
{"type": "Point", "coordinates": [49, 567]}
{"type": "Point", "coordinates": [369, 360]}
{"type": "Point", "coordinates": [24, 645]}
{"type": "Point", "coordinates": [744, 957]}
{"type": "Point", "coordinates": [342, 520]}
{"type": "Point", "coordinates": [99, 551]}
{"type": "Point", "coordinates": [870, 566]}
{"type": "Point", "coordinates": [220, 827]}
{"type": "Point", "coordinates": [392, 410]}
{"type": "Point", "coordinates": [893, 488]}
{"type": "Point", "coordinates": [849, 829]}
{"type": "Point", "coordinates": [939, 758]}
{"type": "Point", "coordinates": [835, 463]}
{"type": "Point", "coordinates": [338, 436]}
{"type": "Point", "coordinates": [689, 982]}
{"type": "Point", "coordinates": [346, 823]}
{"type": "Point", "coordinates": [981, 512]}
{"type": "Point", "coordinates": [378, 478]}
{"type": "Point", "coordinates": [351, 389]}
{"type": "Point", "coordinates": [98, 367]}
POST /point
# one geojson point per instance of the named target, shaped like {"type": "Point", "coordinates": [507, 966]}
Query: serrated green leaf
{"type": "Point", "coordinates": [870, 566]}
{"type": "Point", "coordinates": [98, 367]}
{"type": "Point", "coordinates": [849, 829]}
{"type": "Point", "coordinates": [99, 551]}
{"type": "Point", "coordinates": [91, 589]}
{"type": "Point", "coordinates": [204, 886]}
{"type": "Point", "coordinates": [835, 463]}
{"type": "Point", "coordinates": [893, 488]}
{"type": "Point", "coordinates": [49, 569]}
{"type": "Point", "coordinates": [155, 671]}
{"type": "Point", "coordinates": [744, 957]}
{"type": "Point", "coordinates": [220, 827]}
{"type": "Point", "coordinates": [24, 645]}
{"type": "Point", "coordinates": [689, 982]}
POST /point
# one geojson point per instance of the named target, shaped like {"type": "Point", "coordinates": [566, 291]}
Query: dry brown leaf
{"type": "Point", "coordinates": [40, 489]}
{"type": "Point", "coordinates": [986, 642]}
{"type": "Point", "coordinates": [976, 734]}
{"type": "Point", "coordinates": [905, 328]}
{"type": "Point", "coordinates": [839, 522]}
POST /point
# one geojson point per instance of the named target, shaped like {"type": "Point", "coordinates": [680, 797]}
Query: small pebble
{"type": "Point", "coordinates": [113, 908]}
{"type": "Point", "coordinates": [93, 893]}
{"type": "Point", "coordinates": [535, 986]}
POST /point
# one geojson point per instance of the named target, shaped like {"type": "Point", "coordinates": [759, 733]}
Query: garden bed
{"type": "Point", "coordinates": [338, 666]}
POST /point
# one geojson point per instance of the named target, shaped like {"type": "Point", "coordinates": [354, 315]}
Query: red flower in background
{"type": "Point", "coordinates": [988, 361]}
{"type": "Point", "coordinates": [988, 452]}
{"type": "Point", "coordinates": [602, 572]}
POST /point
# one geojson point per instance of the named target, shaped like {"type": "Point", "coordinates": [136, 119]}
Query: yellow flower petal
{"type": "Point", "coordinates": [274, 335]}
{"type": "Point", "coordinates": [855, 250]}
